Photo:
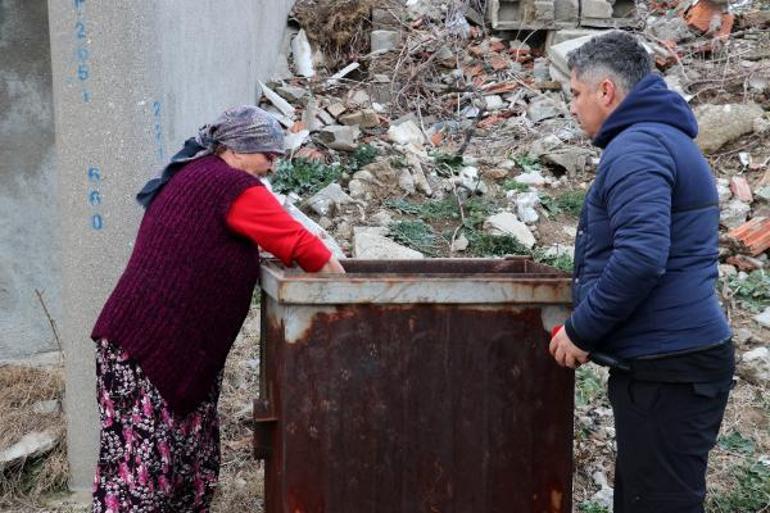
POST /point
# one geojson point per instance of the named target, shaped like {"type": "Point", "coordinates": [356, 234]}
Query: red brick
{"type": "Point", "coordinates": [752, 237]}
{"type": "Point", "coordinates": [741, 189]}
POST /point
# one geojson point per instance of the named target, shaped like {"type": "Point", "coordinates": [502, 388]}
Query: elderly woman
{"type": "Point", "coordinates": [165, 332]}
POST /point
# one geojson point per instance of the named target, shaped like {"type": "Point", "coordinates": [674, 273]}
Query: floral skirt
{"type": "Point", "coordinates": [151, 460]}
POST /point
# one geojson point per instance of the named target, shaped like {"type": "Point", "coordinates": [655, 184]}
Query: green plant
{"type": "Point", "coordinates": [512, 185]}
{"type": "Point", "coordinates": [528, 163]}
{"type": "Point", "coordinates": [562, 262]}
{"type": "Point", "coordinates": [429, 211]}
{"type": "Point", "coordinates": [570, 203]}
{"type": "Point", "coordinates": [736, 442]}
{"type": "Point", "coordinates": [750, 494]}
{"type": "Point", "coordinates": [362, 155]}
{"type": "Point", "coordinates": [414, 234]}
{"type": "Point", "coordinates": [592, 507]}
{"type": "Point", "coordinates": [476, 210]}
{"type": "Point", "coordinates": [753, 291]}
{"type": "Point", "coordinates": [588, 386]}
{"type": "Point", "coordinates": [303, 176]}
{"type": "Point", "coordinates": [483, 244]}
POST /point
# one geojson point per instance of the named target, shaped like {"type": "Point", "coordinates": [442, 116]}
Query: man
{"type": "Point", "coordinates": [644, 280]}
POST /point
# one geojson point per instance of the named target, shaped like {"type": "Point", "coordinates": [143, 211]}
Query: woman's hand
{"type": "Point", "coordinates": [332, 266]}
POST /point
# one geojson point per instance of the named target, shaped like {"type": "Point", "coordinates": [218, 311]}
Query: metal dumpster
{"type": "Point", "coordinates": [414, 386]}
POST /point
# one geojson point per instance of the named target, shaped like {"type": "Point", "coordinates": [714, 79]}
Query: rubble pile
{"type": "Point", "coordinates": [450, 135]}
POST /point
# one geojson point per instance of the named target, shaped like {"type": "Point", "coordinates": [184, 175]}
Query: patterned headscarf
{"type": "Point", "coordinates": [244, 129]}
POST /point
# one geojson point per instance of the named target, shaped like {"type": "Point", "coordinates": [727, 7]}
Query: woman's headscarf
{"type": "Point", "coordinates": [244, 129]}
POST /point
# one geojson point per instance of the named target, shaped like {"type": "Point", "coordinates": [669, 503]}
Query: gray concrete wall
{"type": "Point", "coordinates": [27, 191]}
{"type": "Point", "coordinates": [132, 80]}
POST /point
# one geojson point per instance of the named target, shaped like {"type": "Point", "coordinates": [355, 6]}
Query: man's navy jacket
{"type": "Point", "coordinates": [646, 253]}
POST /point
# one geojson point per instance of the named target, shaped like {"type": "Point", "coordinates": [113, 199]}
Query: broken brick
{"type": "Point", "coordinates": [741, 189]}
{"type": "Point", "coordinates": [297, 127]}
{"type": "Point", "coordinates": [501, 87]}
{"type": "Point", "coordinates": [745, 263]}
{"type": "Point", "coordinates": [498, 62]}
{"type": "Point", "coordinates": [708, 18]}
{"type": "Point", "coordinates": [437, 138]}
{"type": "Point", "coordinates": [490, 121]}
{"type": "Point", "coordinates": [496, 45]}
{"type": "Point", "coordinates": [704, 16]}
{"type": "Point", "coordinates": [310, 154]}
{"type": "Point", "coordinates": [752, 237]}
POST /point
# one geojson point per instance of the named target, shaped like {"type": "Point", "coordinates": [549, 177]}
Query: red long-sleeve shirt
{"type": "Point", "coordinates": [257, 215]}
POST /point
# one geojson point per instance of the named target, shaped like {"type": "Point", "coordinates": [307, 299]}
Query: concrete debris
{"type": "Point", "coordinates": [384, 40]}
{"type": "Point", "coordinates": [468, 178]}
{"type": "Point", "coordinates": [572, 159]}
{"type": "Point", "coordinates": [723, 190]}
{"type": "Point", "coordinates": [763, 319]}
{"type": "Point", "coordinates": [531, 178]}
{"type": "Point", "coordinates": [336, 109]}
{"type": "Point", "coordinates": [282, 105]}
{"type": "Point", "coordinates": [366, 118]}
{"type": "Point", "coordinates": [31, 445]}
{"type": "Point", "coordinates": [420, 180]}
{"type": "Point", "coordinates": [720, 124]}
{"type": "Point", "coordinates": [672, 28]}
{"type": "Point", "coordinates": [334, 79]}
{"type": "Point", "coordinates": [328, 200]}
{"type": "Point", "coordinates": [755, 365]}
{"type": "Point", "coordinates": [406, 133]}
{"type": "Point", "coordinates": [460, 244]}
{"type": "Point", "coordinates": [506, 223]}
{"type": "Point", "coordinates": [338, 137]}
{"type": "Point", "coordinates": [302, 54]}
{"type": "Point", "coordinates": [294, 141]}
{"type": "Point", "coordinates": [558, 52]}
{"type": "Point", "coordinates": [526, 204]}
{"type": "Point", "coordinates": [292, 93]}
{"type": "Point", "coordinates": [734, 213]}
{"type": "Point", "coordinates": [494, 102]}
{"type": "Point", "coordinates": [371, 243]}
{"type": "Point", "coordinates": [544, 108]}
{"type": "Point", "coordinates": [596, 9]}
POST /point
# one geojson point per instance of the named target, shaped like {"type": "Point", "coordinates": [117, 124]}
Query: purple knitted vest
{"type": "Point", "coordinates": [187, 288]}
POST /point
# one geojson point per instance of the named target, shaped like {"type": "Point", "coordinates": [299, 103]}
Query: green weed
{"type": "Point", "coordinates": [588, 386]}
{"type": "Point", "coordinates": [750, 494]}
{"type": "Point", "coordinates": [303, 176]}
{"type": "Point", "coordinates": [753, 292]}
{"type": "Point", "coordinates": [592, 507]}
{"type": "Point", "coordinates": [362, 156]}
{"type": "Point", "coordinates": [736, 442]}
{"type": "Point", "coordinates": [414, 234]}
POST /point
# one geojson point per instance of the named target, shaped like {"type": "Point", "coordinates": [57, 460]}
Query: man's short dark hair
{"type": "Point", "coordinates": [615, 54]}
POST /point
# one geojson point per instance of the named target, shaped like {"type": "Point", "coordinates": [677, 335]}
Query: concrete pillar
{"type": "Point", "coordinates": [132, 80]}
{"type": "Point", "coordinates": [27, 196]}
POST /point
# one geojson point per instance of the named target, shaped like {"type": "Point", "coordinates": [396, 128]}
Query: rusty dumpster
{"type": "Point", "coordinates": [415, 386]}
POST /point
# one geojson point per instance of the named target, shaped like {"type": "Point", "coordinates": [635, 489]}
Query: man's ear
{"type": "Point", "coordinates": [608, 91]}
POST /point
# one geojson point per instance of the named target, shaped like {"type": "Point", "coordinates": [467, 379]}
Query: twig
{"type": "Point", "coordinates": [50, 321]}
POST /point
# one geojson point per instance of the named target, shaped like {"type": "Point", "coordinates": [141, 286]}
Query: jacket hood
{"type": "Point", "coordinates": [649, 101]}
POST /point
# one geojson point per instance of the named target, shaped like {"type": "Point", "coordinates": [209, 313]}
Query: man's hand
{"type": "Point", "coordinates": [332, 266]}
{"type": "Point", "coordinates": [565, 352]}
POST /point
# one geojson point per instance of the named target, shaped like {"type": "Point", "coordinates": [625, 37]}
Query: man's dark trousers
{"type": "Point", "coordinates": [664, 432]}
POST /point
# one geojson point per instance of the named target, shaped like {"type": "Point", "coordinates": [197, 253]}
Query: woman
{"type": "Point", "coordinates": [164, 333]}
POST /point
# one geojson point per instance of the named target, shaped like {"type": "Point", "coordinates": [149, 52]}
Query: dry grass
{"type": "Point", "coordinates": [340, 28]}
{"type": "Point", "coordinates": [241, 476]}
{"type": "Point", "coordinates": [20, 389]}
